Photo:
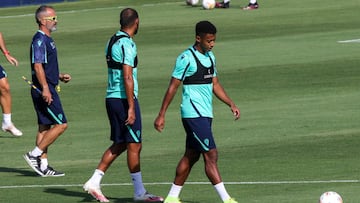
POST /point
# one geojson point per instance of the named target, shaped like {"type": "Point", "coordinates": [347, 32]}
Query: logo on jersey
{"type": "Point", "coordinates": [39, 42]}
{"type": "Point", "coordinates": [52, 44]}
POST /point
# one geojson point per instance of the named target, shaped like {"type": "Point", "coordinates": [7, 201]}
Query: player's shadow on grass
{"type": "Point", "coordinates": [23, 172]}
{"type": "Point", "coordinates": [8, 136]}
{"type": "Point", "coordinates": [88, 198]}
{"type": "Point", "coordinates": [85, 197]}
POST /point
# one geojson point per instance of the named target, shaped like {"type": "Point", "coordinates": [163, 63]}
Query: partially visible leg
{"type": "Point", "coordinates": [213, 174]}
{"type": "Point", "coordinates": [183, 170]}
{"type": "Point", "coordinates": [5, 98]}
{"type": "Point", "coordinates": [110, 155]}
{"type": "Point", "coordinates": [185, 165]}
{"type": "Point", "coordinates": [92, 186]}
{"type": "Point", "coordinates": [5, 101]}
{"type": "Point", "coordinates": [50, 135]}
{"type": "Point", "coordinates": [133, 161]}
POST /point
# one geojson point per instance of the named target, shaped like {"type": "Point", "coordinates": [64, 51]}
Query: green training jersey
{"type": "Point", "coordinates": [123, 51]}
{"type": "Point", "coordinates": [196, 71]}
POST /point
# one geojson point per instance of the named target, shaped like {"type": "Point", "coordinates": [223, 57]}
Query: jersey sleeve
{"type": "Point", "coordinates": [181, 66]}
{"type": "Point", "coordinates": [39, 51]}
{"type": "Point", "coordinates": [124, 52]}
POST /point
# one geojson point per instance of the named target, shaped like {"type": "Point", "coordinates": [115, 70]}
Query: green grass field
{"type": "Point", "coordinates": [297, 87]}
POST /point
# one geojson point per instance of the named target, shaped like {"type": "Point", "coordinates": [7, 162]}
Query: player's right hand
{"type": "Point", "coordinates": [159, 123]}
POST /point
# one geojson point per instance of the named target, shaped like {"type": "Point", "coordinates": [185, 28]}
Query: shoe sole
{"type": "Point", "coordinates": [60, 175]}
{"type": "Point", "coordinates": [28, 161]}
{"type": "Point", "coordinates": [98, 197]}
{"type": "Point", "coordinates": [147, 200]}
{"type": "Point", "coordinates": [9, 131]}
{"type": "Point", "coordinates": [95, 195]}
{"type": "Point", "coordinates": [158, 199]}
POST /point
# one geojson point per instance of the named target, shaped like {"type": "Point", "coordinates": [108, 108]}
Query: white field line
{"type": "Point", "coordinates": [90, 10]}
{"type": "Point", "coordinates": [349, 41]}
{"type": "Point", "coordinates": [193, 183]}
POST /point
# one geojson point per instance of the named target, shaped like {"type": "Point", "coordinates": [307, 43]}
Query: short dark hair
{"type": "Point", "coordinates": [128, 17]}
{"type": "Point", "coordinates": [205, 27]}
{"type": "Point", "coordinates": [40, 10]}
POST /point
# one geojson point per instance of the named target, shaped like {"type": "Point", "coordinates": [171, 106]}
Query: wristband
{"type": "Point", "coordinates": [6, 53]}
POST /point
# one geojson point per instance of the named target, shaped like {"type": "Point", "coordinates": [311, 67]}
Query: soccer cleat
{"type": "Point", "coordinates": [222, 4]}
{"type": "Point", "coordinates": [11, 129]}
{"type": "Point", "coordinates": [172, 200]}
{"type": "Point", "coordinates": [147, 197]}
{"type": "Point", "coordinates": [51, 172]}
{"type": "Point", "coordinates": [251, 6]}
{"type": "Point", "coordinates": [95, 192]}
{"type": "Point", "coordinates": [231, 200]}
{"type": "Point", "coordinates": [34, 162]}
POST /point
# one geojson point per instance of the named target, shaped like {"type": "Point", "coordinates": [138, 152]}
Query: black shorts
{"type": "Point", "coordinates": [199, 135]}
{"type": "Point", "coordinates": [117, 110]}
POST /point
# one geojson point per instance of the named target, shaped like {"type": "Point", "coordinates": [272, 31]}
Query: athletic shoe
{"type": "Point", "coordinates": [222, 5]}
{"type": "Point", "coordinates": [51, 172]}
{"type": "Point", "coordinates": [172, 200]}
{"type": "Point", "coordinates": [147, 197]}
{"type": "Point", "coordinates": [95, 192]}
{"type": "Point", "coordinates": [251, 6]}
{"type": "Point", "coordinates": [231, 200]}
{"type": "Point", "coordinates": [11, 129]}
{"type": "Point", "coordinates": [34, 162]}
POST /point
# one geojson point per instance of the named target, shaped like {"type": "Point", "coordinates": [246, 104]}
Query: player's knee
{"type": "Point", "coordinates": [5, 88]}
{"type": "Point", "coordinates": [62, 127]}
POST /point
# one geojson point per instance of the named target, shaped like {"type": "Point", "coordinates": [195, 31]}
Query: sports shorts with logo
{"type": "Point", "coordinates": [198, 134]}
{"type": "Point", "coordinates": [48, 114]}
{"type": "Point", "coordinates": [117, 110]}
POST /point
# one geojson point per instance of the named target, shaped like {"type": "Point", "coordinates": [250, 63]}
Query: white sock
{"type": "Point", "coordinates": [220, 189]}
{"type": "Point", "coordinates": [175, 190]}
{"type": "Point", "coordinates": [36, 152]}
{"type": "Point", "coordinates": [7, 118]}
{"type": "Point", "coordinates": [44, 164]}
{"type": "Point", "coordinates": [139, 188]}
{"type": "Point", "coordinates": [252, 1]}
{"type": "Point", "coordinates": [96, 177]}
{"type": "Point", "coordinates": [225, 1]}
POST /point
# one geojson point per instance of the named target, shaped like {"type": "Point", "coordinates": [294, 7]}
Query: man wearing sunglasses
{"type": "Point", "coordinates": [45, 76]}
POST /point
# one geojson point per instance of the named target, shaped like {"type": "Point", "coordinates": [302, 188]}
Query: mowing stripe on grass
{"type": "Point", "coordinates": [193, 183]}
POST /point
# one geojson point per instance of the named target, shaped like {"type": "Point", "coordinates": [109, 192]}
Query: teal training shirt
{"type": "Point", "coordinates": [196, 98]}
{"type": "Point", "coordinates": [123, 51]}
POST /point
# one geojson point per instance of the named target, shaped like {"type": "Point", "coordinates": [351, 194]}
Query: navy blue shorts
{"type": "Point", "coordinates": [48, 114]}
{"type": "Point", "coordinates": [117, 110]}
{"type": "Point", "coordinates": [2, 73]}
{"type": "Point", "coordinates": [198, 134]}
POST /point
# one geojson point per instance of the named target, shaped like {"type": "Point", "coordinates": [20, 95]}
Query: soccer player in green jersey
{"type": "Point", "coordinates": [123, 110]}
{"type": "Point", "coordinates": [195, 68]}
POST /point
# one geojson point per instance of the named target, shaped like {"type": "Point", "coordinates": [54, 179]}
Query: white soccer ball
{"type": "Point", "coordinates": [208, 4]}
{"type": "Point", "coordinates": [330, 197]}
{"type": "Point", "coordinates": [192, 2]}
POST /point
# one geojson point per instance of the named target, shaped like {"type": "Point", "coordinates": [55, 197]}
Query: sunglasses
{"type": "Point", "coordinates": [52, 18]}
